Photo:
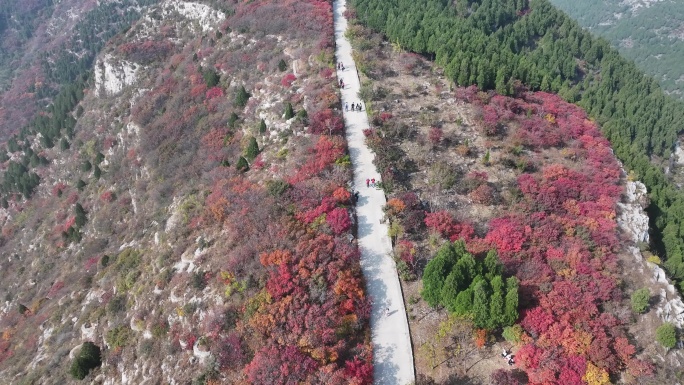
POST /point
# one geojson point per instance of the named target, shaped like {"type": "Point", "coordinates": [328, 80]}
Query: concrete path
{"type": "Point", "coordinates": [393, 357]}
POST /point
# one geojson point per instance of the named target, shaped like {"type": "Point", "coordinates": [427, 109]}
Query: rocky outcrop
{"type": "Point", "coordinates": [112, 75]}
{"type": "Point", "coordinates": [634, 223]}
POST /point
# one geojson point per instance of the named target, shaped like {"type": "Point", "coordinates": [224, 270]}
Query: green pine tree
{"type": "Point", "coordinates": [464, 302]}
{"type": "Point", "coordinates": [262, 127]}
{"type": "Point", "coordinates": [252, 149]}
{"type": "Point", "coordinates": [481, 309]}
{"type": "Point", "coordinates": [289, 112]}
{"type": "Point", "coordinates": [282, 65]}
{"type": "Point", "coordinates": [241, 97]}
{"type": "Point", "coordinates": [510, 314]}
{"type": "Point", "coordinates": [496, 303]}
{"type": "Point", "coordinates": [436, 272]}
{"type": "Point", "coordinates": [450, 291]}
{"type": "Point", "coordinates": [242, 164]}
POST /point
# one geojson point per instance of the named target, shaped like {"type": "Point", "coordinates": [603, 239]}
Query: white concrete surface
{"type": "Point", "coordinates": [392, 354]}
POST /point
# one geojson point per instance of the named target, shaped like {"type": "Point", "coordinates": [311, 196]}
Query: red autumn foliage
{"type": "Point", "coordinates": [326, 121]}
{"type": "Point", "coordinates": [287, 80]}
{"type": "Point", "coordinates": [338, 220]}
{"type": "Point", "coordinates": [560, 242]}
{"type": "Point", "coordinates": [444, 224]}
{"type": "Point", "coordinates": [276, 365]}
{"type": "Point", "coordinates": [213, 92]}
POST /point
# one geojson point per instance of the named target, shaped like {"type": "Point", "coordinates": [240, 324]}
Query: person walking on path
{"type": "Point", "coordinates": [346, 107]}
{"type": "Point", "coordinates": [373, 182]}
{"type": "Point", "coordinates": [352, 106]}
{"type": "Point", "coordinates": [367, 182]}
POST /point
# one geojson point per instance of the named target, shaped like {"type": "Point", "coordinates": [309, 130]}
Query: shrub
{"type": "Point", "coordinates": [87, 359]}
{"type": "Point", "coordinates": [666, 335]}
{"type": "Point", "coordinates": [640, 300]}
{"type": "Point", "coordinates": [118, 337]}
{"type": "Point", "coordinates": [512, 333]}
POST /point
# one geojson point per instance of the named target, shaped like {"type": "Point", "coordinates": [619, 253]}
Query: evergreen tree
{"type": "Point", "coordinates": [481, 309]}
{"type": "Point", "coordinates": [252, 149]}
{"type": "Point", "coordinates": [232, 120]}
{"type": "Point", "coordinates": [450, 291]}
{"type": "Point", "coordinates": [510, 314]}
{"type": "Point", "coordinates": [88, 358]}
{"type": "Point", "coordinates": [211, 77]}
{"type": "Point", "coordinates": [241, 97]}
{"type": "Point", "coordinates": [289, 112]}
{"type": "Point", "coordinates": [80, 215]}
{"type": "Point", "coordinates": [242, 164]}
{"type": "Point", "coordinates": [64, 144]}
{"type": "Point", "coordinates": [436, 272]}
{"type": "Point", "coordinates": [464, 302]}
{"type": "Point", "coordinates": [282, 65]}
{"type": "Point", "coordinates": [496, 303]}
{"type": "Point", "coordinates": [492, 265]}
{"type": "Point", "coordinates": [262, 127]}
{"type": "Point", "coordinates": [97, 172]}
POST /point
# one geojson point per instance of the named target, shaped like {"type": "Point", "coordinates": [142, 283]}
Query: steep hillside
{"type": "Point", "coordinates": [191, 223]}
{"type": "Point", "coordinates": [649, 32]}
{"type": "Point", "coordinates": [512, 46]}
{"type": "Point", "coordinates": [513, 231]}
{"type": "Point", "coordinates": [47, 45]}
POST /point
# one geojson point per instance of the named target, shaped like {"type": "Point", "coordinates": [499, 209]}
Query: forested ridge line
{"type": "Point", "coordinates": [502, 44]}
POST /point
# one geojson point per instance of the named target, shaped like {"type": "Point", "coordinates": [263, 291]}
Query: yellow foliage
{"type": "Point", "coordinates": [595, 375]}
{"type": "Point", "coordinates": [550, 118]}
{"type": "Point", "coordinates": [654, 259]}
{"type": "Point", "coordinates": [7, 334]}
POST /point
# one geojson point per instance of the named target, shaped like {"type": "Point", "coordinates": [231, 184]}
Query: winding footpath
{"type": "Point", "coordinates": [392, 354]}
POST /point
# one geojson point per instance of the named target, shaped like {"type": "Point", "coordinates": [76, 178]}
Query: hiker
{"type": "Point", "coordinates": [342, 66]}
{"type": "Point", "coordinates": [387, 311]}
{"type": "Point", "coordinates": [356, 195]}
{"type": "Point", "coordinates": [341, 83]}
{"type": "Point", "coordinates": [367, 180]}
{"type": "Point", "coordinates": [358, 106]}
{"type": "Point", "coordinates": [352, 106]}
{"type": "Point", "coordinates": [346, 107]}
{"type": "Point", "coordinates": [373, 182]}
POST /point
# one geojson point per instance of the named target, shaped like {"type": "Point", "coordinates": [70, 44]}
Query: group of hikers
{"type": "Point", "coordinates": [354, 107]}
{"type": "Point", "coordinates": [508, 357]}
{"type": "Point", "coordinates": [370, 182]}
{"type": "Point", "coordinates": [340, 66]}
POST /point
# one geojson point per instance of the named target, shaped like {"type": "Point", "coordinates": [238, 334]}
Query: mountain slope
{"type": "Point", "coordinates": [195, 223]}
{"type": "Point", "coordinates": [649, 32]}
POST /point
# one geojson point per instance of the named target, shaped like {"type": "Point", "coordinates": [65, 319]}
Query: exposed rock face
{"type": "Point", "coordinates": [112, 75]}
{"type": "Point", "coordinates": [207, 17]}
{"type": "Point", "coordinates": [631, 218]}
{"type": "Point", "coordinates": [634, 222]}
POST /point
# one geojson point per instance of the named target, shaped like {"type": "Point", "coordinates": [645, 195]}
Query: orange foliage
{"type": "Point", "coordinates": [395, 206]}
{"type": "Point", "coordinates": [277, 257]}
{"type": "Point", "coordinates": [480, 337]}
{"type": "Point", "coordinates": [341, 195]}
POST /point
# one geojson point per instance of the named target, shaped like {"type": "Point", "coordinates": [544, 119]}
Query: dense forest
{"type": "Point", "coordinates": [650, 35]}
{"type": "Point", "coordinates": [510, 45]}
